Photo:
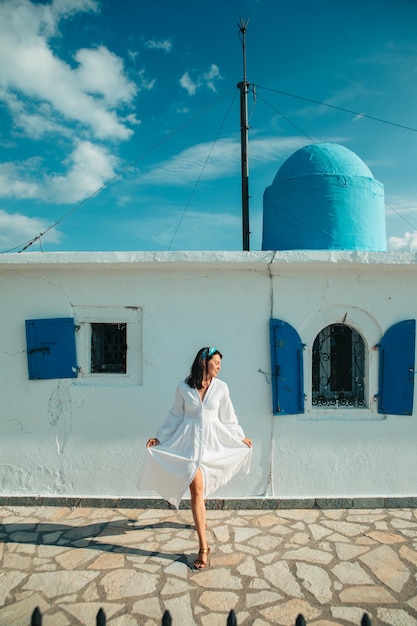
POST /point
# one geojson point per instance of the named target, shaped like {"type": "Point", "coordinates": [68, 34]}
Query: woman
{"type": "Point", "coordinates": [200, 446]}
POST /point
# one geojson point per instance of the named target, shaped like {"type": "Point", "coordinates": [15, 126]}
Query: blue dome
{"type": "Point", "coordinates": [323, 158]}
{"type": "Point", "coordinates": [324, 197]}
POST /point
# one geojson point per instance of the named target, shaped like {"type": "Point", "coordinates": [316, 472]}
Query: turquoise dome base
{"type": "Point", "coordinates": [324, 198]}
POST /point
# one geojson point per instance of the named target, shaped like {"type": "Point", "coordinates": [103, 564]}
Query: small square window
{"type": "Point", "coordinates": [109, 345]}
{"type": "Point", "coordinates": [108, 348]}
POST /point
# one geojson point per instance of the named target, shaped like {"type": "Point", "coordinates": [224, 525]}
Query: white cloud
{"type": "Point", "coordinates": [65, 8]}
{"type": "Point", "coordinates": [355, 91]}
{"type": "Point", "coordinates": [211, 76]}
{"type": "Point", "coordinates": [186, 166]}
{"type": "Point", "coordinates": [88, 167]}
{"type": "Point", "coordinates": [401, 206]}
{"type": "Point", "coordinates": [219, 161]}
{"type": "Point", "coordinates": [206, 230]}
{"type": "Point", "coordinates": [17, 229]}
{"type": "Point", "coordinates": [132, 119]}
{"type": "Point", "coordinates": [165, 45]}
{"type": "Point", "coordinates": [17, 181]}
{"type": "Point", "coordinates": [34, 119]}
{"type": "Point", "coordinates": [406, 243]}
{"type": "Point", "coordinates": [101, 72]}
{"type": "Point", "coordinates": [170, 228]}
{"type": "Point", "coordinates": [208, 79]}
{"type": "Point", "coordinates": [87, 93]}
{"type": "Point", "coordinates": [188, 84]}
{"type": "Point", "coordinates": [144, 82]}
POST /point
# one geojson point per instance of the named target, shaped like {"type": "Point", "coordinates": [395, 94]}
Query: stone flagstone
{"type": "Point", "coordinates": [219, 600]}
{"type": "Point", "coordinates": [396, 617]}
{"type": "Point", "coordinates": [8, 582]}
{"type": "Point", "coordinates": [351, 574]}
{"type": "Point", "coordinates": [148, 607]}
{"type": "Point", "coordinates": [316, 580]}
{"type": "Point", "coordinates": [287, 613]}
{"type": "Point", "coordinates": [262, 598]}
{"type": "Point", "coordinates": [387, 566]}
{"type": "Point", "coordinates": [363, 594]}
{"type": "Point", "coordinates": [53, 585]}
{"type": "Point", "coordinates": [86, 612]}
{"type": "Point", "coordinates": [281, 577]}
{"type": "Point", "coordinates": [128, 583]}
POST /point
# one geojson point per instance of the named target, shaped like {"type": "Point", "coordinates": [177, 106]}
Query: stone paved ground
{"type": "Point", "coordinates": [330, 565]}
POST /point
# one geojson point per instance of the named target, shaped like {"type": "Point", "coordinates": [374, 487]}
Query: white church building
{"type": "Point", "coordinates": [317, 332]}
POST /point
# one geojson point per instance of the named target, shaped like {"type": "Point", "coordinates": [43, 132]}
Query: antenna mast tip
{"type": "Point", "coordinates": [243, 25]}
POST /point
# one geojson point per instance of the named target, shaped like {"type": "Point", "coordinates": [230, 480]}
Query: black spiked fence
{"type": "Point", "coordinates": [36, 619]}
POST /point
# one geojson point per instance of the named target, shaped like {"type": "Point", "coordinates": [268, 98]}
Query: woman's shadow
{"type": "Point", "coordinates": [89, 536]}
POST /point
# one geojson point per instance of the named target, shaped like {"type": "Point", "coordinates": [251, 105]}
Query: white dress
{"type": "Point", "coordinates": [196, 434]}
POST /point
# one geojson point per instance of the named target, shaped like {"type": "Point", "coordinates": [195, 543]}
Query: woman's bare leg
{"type": "Point", "coordinates": [198, 508]}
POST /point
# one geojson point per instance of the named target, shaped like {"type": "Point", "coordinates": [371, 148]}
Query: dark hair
{"type": "Point", "coordinates": [199, 367]}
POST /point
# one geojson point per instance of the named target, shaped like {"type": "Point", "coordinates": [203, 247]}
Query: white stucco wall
{"type": "Point", "coordinates": [86, 437]}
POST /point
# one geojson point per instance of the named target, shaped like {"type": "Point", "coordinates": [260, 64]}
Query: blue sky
{"type": "Point", "coordinates": [119, 119]}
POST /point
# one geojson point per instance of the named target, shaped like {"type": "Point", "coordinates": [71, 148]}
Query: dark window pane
{"type": "Point", "coordinates": [341, 358]}
{"type": "Point", "coordinates": [108, 348]}
{"type": "Point", "coordinates": [338, 367]}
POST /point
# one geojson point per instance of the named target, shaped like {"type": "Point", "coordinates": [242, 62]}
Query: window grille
{"type": "Point", "coordinates": [338, 367]}
{"type": "Point", "coordinates": [108, 348]}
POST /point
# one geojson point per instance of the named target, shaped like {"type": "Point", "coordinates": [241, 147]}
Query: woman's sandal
{"type": "Point", "coordinates": [201, 562]}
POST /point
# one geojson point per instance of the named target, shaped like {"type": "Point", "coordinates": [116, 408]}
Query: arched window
{"type": "Point", "coordinates": [338, 367]}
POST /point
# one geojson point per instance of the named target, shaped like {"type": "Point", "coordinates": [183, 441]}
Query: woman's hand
{"type": "Point", "coordinates": [152, 442]}
{"type": "Point", "coordinates": [247, 442]}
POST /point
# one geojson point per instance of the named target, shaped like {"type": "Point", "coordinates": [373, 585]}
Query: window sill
{"type": "Point", "coordinates": [341, 414]}
{"type": "Point", "coordinates": [107, 380]}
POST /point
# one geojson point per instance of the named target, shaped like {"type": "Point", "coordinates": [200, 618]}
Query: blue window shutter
{"type": "Point", "coordinates": [396, 369]}
{"type": "Point", "coordinates": [287, 369]}
{"type": "Point", "coordinates": [51, 348]}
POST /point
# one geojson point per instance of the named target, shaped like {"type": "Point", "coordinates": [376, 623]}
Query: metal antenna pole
{"type": "Point", "coordinates": [243, 87]}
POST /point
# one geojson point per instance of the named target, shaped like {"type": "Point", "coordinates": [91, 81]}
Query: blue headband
{"type": "Point", "coordinates": [208, 352]}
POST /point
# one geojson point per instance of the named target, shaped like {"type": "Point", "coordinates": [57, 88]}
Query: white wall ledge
{"type": "Point", "coordinates": [214, 259]}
